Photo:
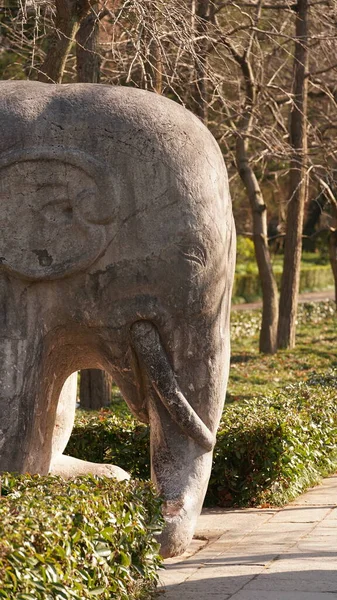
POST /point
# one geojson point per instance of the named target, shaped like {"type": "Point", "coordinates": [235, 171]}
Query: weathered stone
{"type": "Point", "coordinates": [114, 210]}
{"type": "Point", "coordinates": [68, 466]}
{"type": "Point", "coordinates": [65, 416]}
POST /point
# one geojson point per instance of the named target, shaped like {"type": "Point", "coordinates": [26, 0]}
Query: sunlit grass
{"type": "Point", "coordinates": [253, 374]}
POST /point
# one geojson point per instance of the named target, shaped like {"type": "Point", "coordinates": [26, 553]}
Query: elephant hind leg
{"type": "Point", "coordinates": [148, 346]}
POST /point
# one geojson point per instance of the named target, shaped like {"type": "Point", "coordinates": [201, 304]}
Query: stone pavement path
{"type": "Point", "coordinates": [261, 554]}
{"type": "Point", "coordinates": [305, 297]}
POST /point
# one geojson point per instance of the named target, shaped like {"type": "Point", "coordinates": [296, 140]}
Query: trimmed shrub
{"type": "Point", "coordinates": [271, 449]}
{"type": "Point", "coordinates": [247, 286]}
{"type": "Point", "coordinates": [65, 540]}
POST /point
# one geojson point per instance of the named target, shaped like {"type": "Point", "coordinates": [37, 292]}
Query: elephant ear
{"type": "Point", "coordinates": [54, 208]}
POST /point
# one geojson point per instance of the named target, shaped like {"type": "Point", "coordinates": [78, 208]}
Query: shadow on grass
{"type": "Point", "coordinates": [243, 358]}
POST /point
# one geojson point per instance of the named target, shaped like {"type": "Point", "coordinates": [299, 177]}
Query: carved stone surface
{"type": "Point", "coordinates": [68, 466]}
{"type": "Point", "coordinates": [44, 190]}
{"type": "Point", "coordinates": [116, 252]}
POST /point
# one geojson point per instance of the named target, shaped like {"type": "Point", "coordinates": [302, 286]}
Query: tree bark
{"type": "Point", "coordinates": [87, 57]}
{"type": "Point", "coordinates": [297, 185]}
{"type": "Point", "coordinates": [315, 210]}
{"type": "Point", "coordinates": [333, 257]}
{"type": "Point", "coordinates": [95, 389]}
{"type": "Point", "coordinates": [268, 331]}
{"type": "Point", "coordinates": [153, 67]}
{"type": "Point", "coordinates": [95, 385]}
{"type": "Point", "coordinates": [69, 14]}
{"type": "Point", "coordinates": [201, 15]}
{"type": "Point", "coordinates": [333, 246]}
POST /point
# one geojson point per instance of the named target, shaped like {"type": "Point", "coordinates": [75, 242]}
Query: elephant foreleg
{"type": "Point", "coordinates": [68, 466]}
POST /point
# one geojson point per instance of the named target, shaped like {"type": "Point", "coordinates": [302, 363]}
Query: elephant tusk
{"type": "Point", "coordinates": [147, 343]}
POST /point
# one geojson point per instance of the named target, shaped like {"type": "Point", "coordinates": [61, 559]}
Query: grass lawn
{"type": "Point", "coordinates": [253, 374]}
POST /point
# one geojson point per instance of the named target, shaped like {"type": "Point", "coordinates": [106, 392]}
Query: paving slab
{"type": "Point", "coordinates": [261, 554]}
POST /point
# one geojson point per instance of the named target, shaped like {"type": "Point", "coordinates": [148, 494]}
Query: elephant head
{"type": "Point", "coordinates": [116, 252]}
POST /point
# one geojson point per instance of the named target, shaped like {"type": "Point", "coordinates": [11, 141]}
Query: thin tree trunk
{"type": "Point", "coordinates": [95, 389]}
{"type": "Point", "coordinates": [268, 332]}
{"type": "Point", "coordinates": [157, 67]}
{"type": "Point", "coordinates": [87, 57]}
{"type": "Point", "coordinates": [202, 13]}
{"type": "Point", "coordinates": [154, 67]}
{"type": "Point", "coordinates": [333, 247]}
{"type": "Point", "coordinates": [69, 14]}
{"type": "Point", "coordinates": [95, 385]}
{"type": "Point", "coordinates": [333, 257]}
{"type": "Point", "coordinates": [314, 212]}
{"type": "Point", "coordinates": [297, 185]}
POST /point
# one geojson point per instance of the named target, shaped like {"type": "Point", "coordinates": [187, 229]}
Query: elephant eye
{"type": "Point", "coordinates": [195, 253]}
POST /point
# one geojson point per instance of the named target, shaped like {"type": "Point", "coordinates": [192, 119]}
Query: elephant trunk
{"type": "Point", "coordinates": [147, 344]}
{"type": "Point", "coordinates": [181, 443]}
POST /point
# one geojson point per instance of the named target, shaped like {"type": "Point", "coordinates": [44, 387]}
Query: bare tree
{"type": "Point", "coordinates": [68, 17]}
{"type": "Point", "coordinates": [87, 47]}
{"type": "Point", "coordinates": [244, 128]}
{"type": "Point", "coordinates": [202, 13]}
{"type": "Point", "coordinates": [333, 251]}
{"type": "Point", "coordinates": [298, 185]}
{"type": "Point", "coordinates": [95, 384]}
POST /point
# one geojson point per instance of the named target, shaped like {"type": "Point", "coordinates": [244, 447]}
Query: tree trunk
{"type": "Point", "coordinates": [297, 185]}
{"type": "Point", "coordinates": [95, 386]}
{"type": "Point", "coordinates": [95, 389]}
{"type": "Point", "coordinates": [153, 66]}
{"type": "Point", "coordinates": [69, 14]}
{"type": "Point", "coordinates": [268, 330]}
{"type": "Point", "coordinates": [333, 257]}
{"type": "Point", "coordinates": [87, 57]}
{"type": "Point", "coordinates": [315, 210]}
{"type": "Point", "coordinates": [152, 78]}
{"type": "Point", "coordinates": [201, 16]}
{"type": "Point", "coordinates": [333, 247]}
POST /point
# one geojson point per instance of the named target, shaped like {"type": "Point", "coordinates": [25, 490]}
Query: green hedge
{"type": "Point", "coordinates": [271, 449]}
{"type": "Point", "coordinates": [268, 450]}
{"type": "Point", "coordinates": [65, 540]}
{"type": "Point", "coordinates": [247, 287]}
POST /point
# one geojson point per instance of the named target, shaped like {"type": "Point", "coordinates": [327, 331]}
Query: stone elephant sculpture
{"type": "Point", "coordinates": [116, 252]}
